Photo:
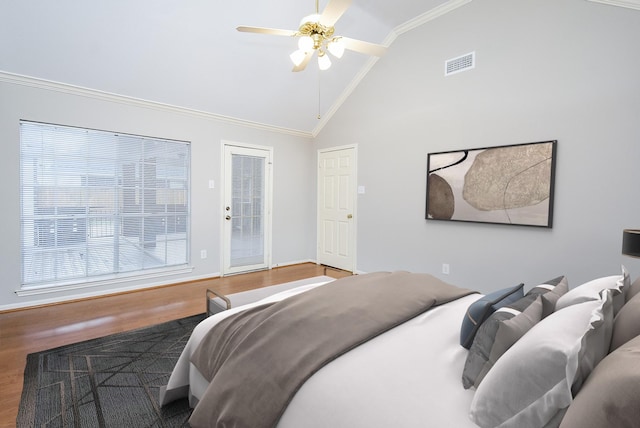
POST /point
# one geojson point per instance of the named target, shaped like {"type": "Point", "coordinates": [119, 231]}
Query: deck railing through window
{"type": "Point", "coordinates": [98, 203]}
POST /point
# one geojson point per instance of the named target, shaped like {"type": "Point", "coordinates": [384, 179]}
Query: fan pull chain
{"type": "Point", "coordinates": [318, 95]}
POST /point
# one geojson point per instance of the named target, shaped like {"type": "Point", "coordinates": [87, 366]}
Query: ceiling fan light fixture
{"type": "Point", "coordinates": [316, 33]}
{"type": "Point", "coordinates": [305, 43]}
{"type": "Point", "coordinates": [297, 57]}
{"type": "Point", "coordinates": [336, 47]}
{"type": "Point", "coordinates": [323, 61]}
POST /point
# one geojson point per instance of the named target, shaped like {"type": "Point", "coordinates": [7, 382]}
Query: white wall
{"type": "Point", "coordinates": [545, 69]}
{"type": "Point", "coordinates": [293, 215]}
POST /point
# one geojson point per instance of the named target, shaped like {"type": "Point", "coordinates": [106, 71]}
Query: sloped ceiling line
{"type": "Point", "coordinates": [430, 15]}
{"type": "Point", "coordinates": [399, 30]}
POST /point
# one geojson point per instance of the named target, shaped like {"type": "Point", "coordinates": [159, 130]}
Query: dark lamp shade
{"type": "Point", "coordinates": [631, 242]}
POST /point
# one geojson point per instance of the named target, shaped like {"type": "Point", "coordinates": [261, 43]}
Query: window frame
{"type": "Point", "coordinates": [160, 172]}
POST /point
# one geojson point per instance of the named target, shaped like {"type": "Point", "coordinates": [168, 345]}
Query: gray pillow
{"type": "Point", "coordinates": [550, 291]}
{"type": "Point", "coordinates": [610, 397]}
{"type": "Point", "coordinates": [633, 289]}
{"type": "Point", "coordinates": [626, 325]}
{"type": "Point", "coordinates": [534, 382]}
{"type": "Point", "coordinates": [497, 334]}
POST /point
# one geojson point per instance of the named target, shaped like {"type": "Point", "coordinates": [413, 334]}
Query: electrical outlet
{"type": "Point", "coordinates": [445, 268]}
{"type": "Point", "coordinates": [203, 254]}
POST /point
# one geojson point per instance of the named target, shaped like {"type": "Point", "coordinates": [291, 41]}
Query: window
{"type": "Point", "coordinates": [98, 204]}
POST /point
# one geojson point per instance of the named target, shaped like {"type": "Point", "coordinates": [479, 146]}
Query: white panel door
{"type": "Point", "coordinates": [247, 212]}
{"type": "Point", "coordinates": [336, 207]}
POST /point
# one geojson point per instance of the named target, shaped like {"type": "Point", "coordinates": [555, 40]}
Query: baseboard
{"type": "Point", "coordinates": [121, 290]}
{"type": "Point", "coordinates": [98, 293]}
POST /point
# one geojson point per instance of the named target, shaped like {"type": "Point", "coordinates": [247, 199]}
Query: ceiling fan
{"type": "Point", "coordinates": [316, 34]}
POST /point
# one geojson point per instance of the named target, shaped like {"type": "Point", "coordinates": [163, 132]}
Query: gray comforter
{"type": "Point", "coordinates": [257, 359]}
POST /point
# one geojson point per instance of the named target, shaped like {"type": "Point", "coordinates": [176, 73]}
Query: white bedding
{"type": "Point", "coordinates": [407, 377]}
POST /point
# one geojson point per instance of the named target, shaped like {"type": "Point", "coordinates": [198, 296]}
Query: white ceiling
{"type": "Point", "coordinates": [187, 53]}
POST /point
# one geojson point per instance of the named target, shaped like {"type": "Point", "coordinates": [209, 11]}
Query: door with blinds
{"type": "Point", "coordinates": [247, 209]}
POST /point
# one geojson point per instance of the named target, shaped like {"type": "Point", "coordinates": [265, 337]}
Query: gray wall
{"type": "Point", "coordinates": [545, 69]}
{"type": "Point", "coordinates": [293, 209]}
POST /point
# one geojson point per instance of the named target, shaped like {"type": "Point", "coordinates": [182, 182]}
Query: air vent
{"type": "Point", "coordinates": [461, 63]}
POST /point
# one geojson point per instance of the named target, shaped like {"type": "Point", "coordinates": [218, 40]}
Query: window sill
{"type": "Point", "coordinates": [113, 279]}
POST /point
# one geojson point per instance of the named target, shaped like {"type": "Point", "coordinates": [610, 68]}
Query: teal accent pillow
{"type": "Point", "coordinates": [482, 309]}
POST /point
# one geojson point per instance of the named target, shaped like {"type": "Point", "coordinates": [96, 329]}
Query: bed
{"type": "Point", "coordinates": [426, 371]}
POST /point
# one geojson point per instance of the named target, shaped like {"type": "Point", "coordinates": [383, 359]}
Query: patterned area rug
{"type": "Point", "coordinates": [111, 381]}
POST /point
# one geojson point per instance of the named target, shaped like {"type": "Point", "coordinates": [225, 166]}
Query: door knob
{"type": "Point", "coordinates": [349, 215]}
{"type": "Point", "coordinates": [228, 217]}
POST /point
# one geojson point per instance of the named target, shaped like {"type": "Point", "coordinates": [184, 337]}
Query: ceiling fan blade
{"type": "Point", "coordinates": [364, 47]}
{"type": "Point", "coordinates": [333, 11]}
{"type": "Point", "coordinates": [262, 30]}
{"type": "Point", "coordinates": [304, 62]}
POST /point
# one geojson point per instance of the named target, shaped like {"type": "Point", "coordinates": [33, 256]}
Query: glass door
{"type": "Point", "coordinates": [246, 209]}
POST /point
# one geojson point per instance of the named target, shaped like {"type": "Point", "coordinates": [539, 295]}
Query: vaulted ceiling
{"type": "Point", "coordinates": [187, 53]}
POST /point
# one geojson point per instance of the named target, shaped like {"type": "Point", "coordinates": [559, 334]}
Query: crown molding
{"type": "Point", "coordinates": [344, 95]}
{"type": "Point", "coordinates": [432, 14]}
{"type": "Point", "coordinates": [629, 4]}
{"type": "Point", "coordinates": [66, 88]}
{"type": "Point", "coordinates": [350, 88]}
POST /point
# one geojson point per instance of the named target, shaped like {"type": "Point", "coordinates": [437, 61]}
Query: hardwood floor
{"type": "Point", "coordinates": [31, 330]}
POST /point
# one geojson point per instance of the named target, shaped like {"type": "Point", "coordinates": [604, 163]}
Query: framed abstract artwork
{"type": "Point", "coordinates": [510, 184]}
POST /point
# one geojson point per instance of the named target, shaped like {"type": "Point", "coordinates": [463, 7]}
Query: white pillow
{"type": "Point", "coordinates": [591, 291]}
{"type": "Point", "coordinates": [533, 383]}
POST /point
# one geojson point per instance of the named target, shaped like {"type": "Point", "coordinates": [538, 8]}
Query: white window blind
{"type": "Point", "coordinates": [96, 204]}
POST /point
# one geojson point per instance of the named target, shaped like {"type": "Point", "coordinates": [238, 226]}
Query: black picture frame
{"type": "Point", "coordinates": [509, 184]}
